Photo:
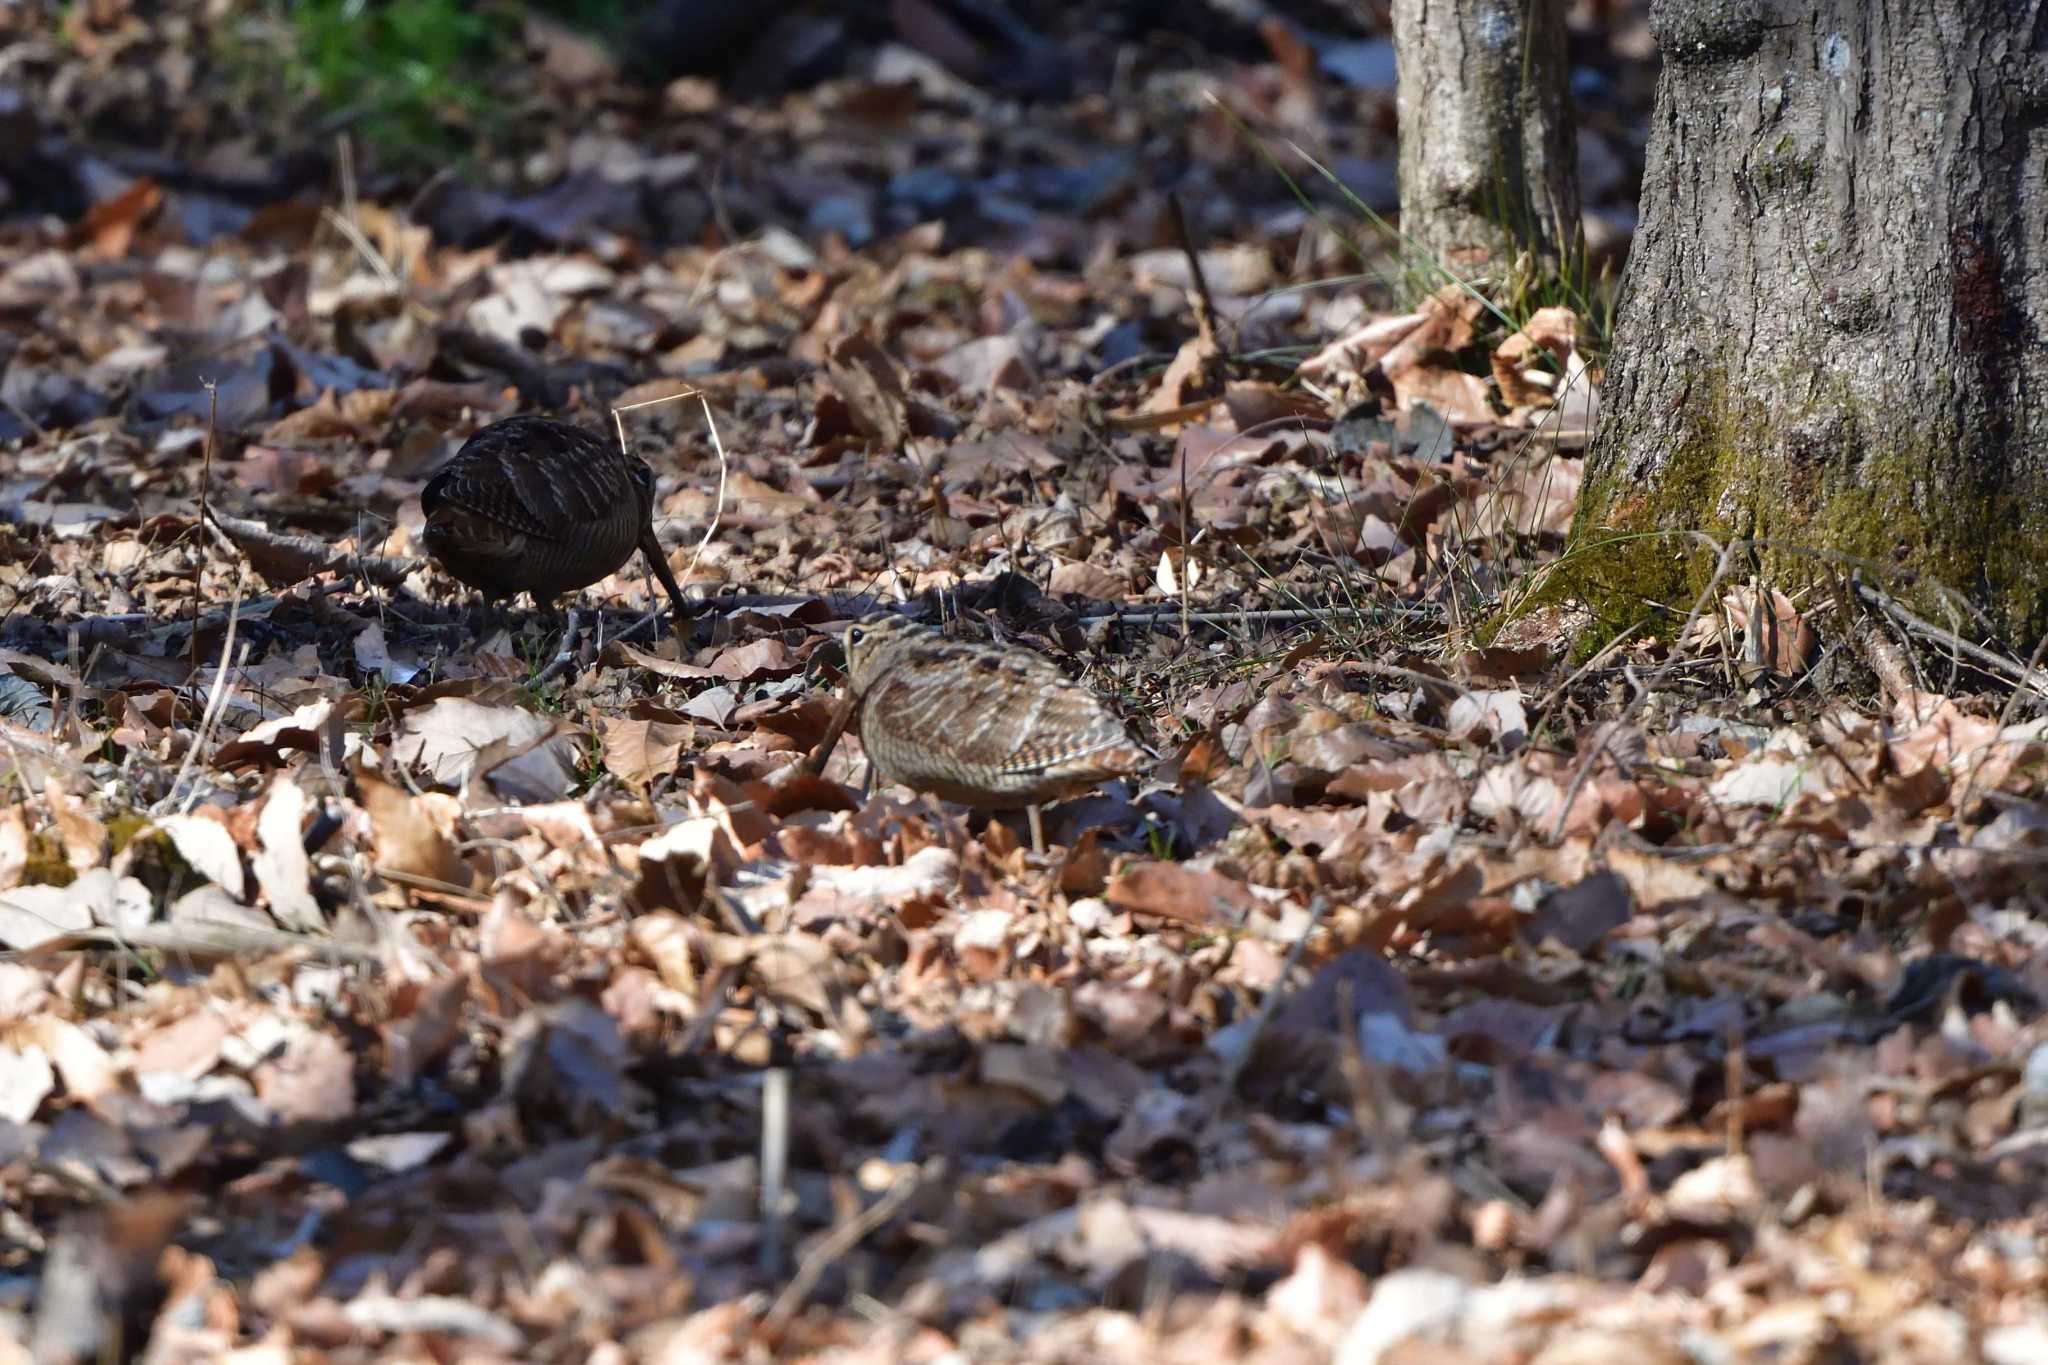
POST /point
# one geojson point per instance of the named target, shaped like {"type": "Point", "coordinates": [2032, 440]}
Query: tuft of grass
{"type": "Point", "coordinates": [1510, 299]}
{"type": "Point", "coordinates": [411, 78]}
{"type": "Point", "coordinates": [426, 84]}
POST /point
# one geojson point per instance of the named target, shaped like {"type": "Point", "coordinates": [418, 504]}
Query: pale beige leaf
{"type": "Point", "coordinates": [282, 868]}
{"type": "Point", "coordinates": [640, 751]}
{"type": "Point", "coordinates": [26, 1079]}
{"type": "Point", "coordinates": [454, 739]}
{"type": "Point", "coordinates": [205, 843]}
{"type": "Point", "coordinates": [86, 1069]}
{"type": "Point", "coordinates": [13, 847]}
{"type": "Point", "coordinates": [413, 835]}
{"type": "Point", "coordinates": [84, 838]}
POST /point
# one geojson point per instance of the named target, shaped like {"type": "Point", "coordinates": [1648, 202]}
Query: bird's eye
{"type": "Point", "coordinates": [855, 636]}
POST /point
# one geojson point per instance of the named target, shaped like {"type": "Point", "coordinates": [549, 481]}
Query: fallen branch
{"type": "Point", "coordinates": [2033, 679]}
{"type": "Point", "coordinates": [201, 939]}
{"type": "Point", "coordinates": [119, 628]}
{"type": "Point", "coordinates": [1205, 302]}
{"type": "Point", "coordinates": [846, 1236]}
{"type": "Point", "coordinates": [1234, 1069]}
{"type": "Point", "coordinates": [1606, 733]}
{"type": "Point", "coordinates": [285, 559]}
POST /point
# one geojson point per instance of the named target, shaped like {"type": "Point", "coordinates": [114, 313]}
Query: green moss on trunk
{"type": "Point", "coordinates": [1818, 490]}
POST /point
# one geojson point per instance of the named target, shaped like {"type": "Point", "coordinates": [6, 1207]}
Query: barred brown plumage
{"type": "Point", "coordinates": [544, 507]}
{"type": "Point", "coordinates": [984, 725]}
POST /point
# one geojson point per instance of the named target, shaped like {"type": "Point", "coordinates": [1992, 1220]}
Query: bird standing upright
{"type": "Point", "coordinates": [544, 507]}
{"type": "Point", "coordinates": [997, 727]}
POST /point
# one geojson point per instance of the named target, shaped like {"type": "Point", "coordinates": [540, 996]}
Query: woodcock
{"type": "Point", "coordinates": [984, 725]}
{"type": "Point", "coordinates": [544, 507]}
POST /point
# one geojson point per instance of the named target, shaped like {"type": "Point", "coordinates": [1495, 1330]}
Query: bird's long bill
{"type": "Point", "coordinates": [650, 546]}
{"type": "Point", "coordinates": [834, 728]}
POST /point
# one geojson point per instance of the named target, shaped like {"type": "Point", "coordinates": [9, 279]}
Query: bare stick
{"type": "Point", "coordinates": [2029, 677]}
{"type": "Point", "coordinates": [282, 558]}
{"type": "Point", "coordinates": [1275, 616]}
{"type": "Point", "coordinates": [774, 1164]}
{"type": "Point", "coordinates": [205, 479]}
{"type": "Point", "coordinates": [845, 1238]}
{"type": "Point", "coordinates": [718, 507]}
{"type": "Point", "coordinates": [216, 701]}
{"type": "Point", "coordinates": [1205, 302]}
{"type": "Point", "coordinates": [565, 657]}
{"type": "Point", "coordinates": [2004, 719]}
{"type": "Point", "coordinates": [774, 1110]}
{"type": "Point", "coordinates": [204, 939]}
{"type": "Point", "coordinates": [1735, 1068]}
{"type": "Point", "coordinates": [1227, 1087]}
{"type": "Point", "coordinates": [1635, 703]}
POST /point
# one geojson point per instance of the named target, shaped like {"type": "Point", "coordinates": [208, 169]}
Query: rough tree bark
{"type": "Point", "coordinates": [1830, 333]}
{"type": "Point", "coordinates": [1488, 159]}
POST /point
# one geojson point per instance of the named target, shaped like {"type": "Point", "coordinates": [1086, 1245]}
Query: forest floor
{"type": "Point", "coordinates": [379, 987]}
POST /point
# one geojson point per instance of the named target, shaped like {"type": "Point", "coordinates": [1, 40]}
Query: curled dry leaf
{"type": "Point", "coordinates": [1460, 397]}
{"type": "Point", "coordinates": [1447, 320]}
{"type": "Point", "coordinates": [1361, 348]}
{"type": "Point", "coordinates": [83, 836]}
{"type": "Point", "coordinates": [13, 846]}
{"type": "Point", "coordinates": [281, 865]}
{"type": "Point", "coordinates": [871, 382]}
{"type": "Point", "coordinates": [639, 752]}
{"type": "Point", "coordinates": [30, 915]}
{"type": "Point", "coordinates": [673, 945]}
{"type": "Point", "coordinates": [82, 1064]}
{"type": "Point", "coordinates": [26, 1079]}
{"type": "Point", "coordinates": [926, 878]}
{"type": "Point", "coordinates": [794, 969]}
{"type": "Point", "coordinates": [1178, 892]}
{"type": "Point", "coordinates": [454, 740]}
{"type": "Point", "coordinates": [1768, 637]}
{"type": "Point", "coordinates": [414, 836]}
{"type": "Point", "coordinates": [204, 841]}
{"type": "Point", "coordinates": [1545, 340]}
{"type": "Point", "coordinates": [1188, 382]}
{"type": "Point", "coordinates": [282, 560]}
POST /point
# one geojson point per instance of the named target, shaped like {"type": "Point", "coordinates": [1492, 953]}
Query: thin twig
{"type": "Point", "coordinates": [378, 265]}
{"type": "Point", "coordinates": [2004, 719]}
{"type": "Point", "coordinates": [205, 481]}
{"type": "Point", "coordinates": [774, 1113]}
{"type": "Point", "coordinates": [846, 1237]}
{"type": "Point", "coordinates": [216, 700]}
{"type": "Point", "coordinates": [842, 714]}
{"type": "Point", "coordinates": [774, 1164]}
{"type": "Point", "coordinates": [716, 997]}
{"type": "Point", "coordinates": [1606, 733]}
{"type": "Point", "coordinates": [2029, 677]}
{"type": "Point", "coordinates": [1263, 616]}
{"type": "Point", "coordinates": [1227, 1086]}
{"type": "Point", "coordinates": [1735, 1071]}
{"type": "Point", "coordinates": [193, 938]}
{"type": "Point", "coordinates": [1606, 651]}
{"type": "Point", "coordinates": [565, 657]}
{"type": "Point", "coordinates": [1205, 302]}
{"type": "Point", "coordinates": [718, 506]}
{"type": "Point", "coordinates": [736, 916]}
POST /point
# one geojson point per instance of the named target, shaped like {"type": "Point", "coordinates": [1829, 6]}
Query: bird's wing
{"type": "Point", "coordinates": [537, 476]}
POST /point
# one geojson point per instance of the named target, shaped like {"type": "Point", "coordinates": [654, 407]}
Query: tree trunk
{"type": "Point", "coordinates": [1488, 159]}
{"type": "Point", "coordinates": [1830, 332]}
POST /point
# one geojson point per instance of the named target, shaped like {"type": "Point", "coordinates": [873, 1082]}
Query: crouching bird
{"type": "Point", "coordinates": [992, 726]}
{"type": "Point", "coordinates": [544, 507]}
